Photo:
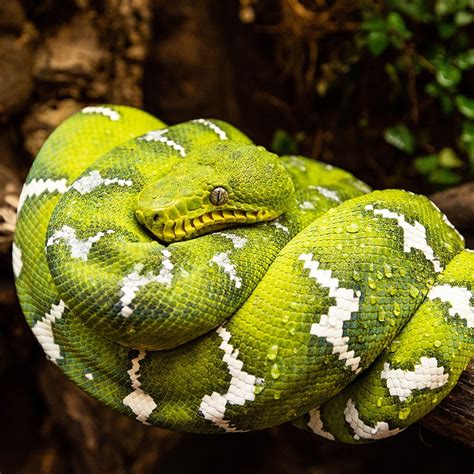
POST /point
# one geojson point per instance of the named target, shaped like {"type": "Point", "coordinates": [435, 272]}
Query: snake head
{"type": "Point", "coordinates": [220, 185]}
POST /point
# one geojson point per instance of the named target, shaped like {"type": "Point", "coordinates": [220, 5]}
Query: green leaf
{"type": "Point", "coordinates": [446, 29]}
{"type": "Point", "coordinates": [465, 60]}
{"type": "Point", "coordinates": [391, 72]}
{"type": "Point", "coordinates": [400, 137]}
{"type": "Point", "coordinates": [426, 164]}
{"type": "Point", "coordinates": [463, 18]}
{"type": "Point", "coordinates": [396, 22]}
{"type": "Point", "coordinates": [465, 105]}
{"type": "Point", "coordinates": [467, 135]}
{"type": "Point", "coordinates": [432, 89]}
{"type": "Point", "coordinates": [447, 158]}
{"type": "Point", "coordinates": [448, 75]}
{"type": "Point", "coordinates": [419, 10]}
{"type": "Point", "coordinates": [374, 24]}
{"type": "Point", "coordinates": [444, 176]}
{"type": "Point", "coordinates": [283, 143]}
{"type": "Point", "coordinates": [447, 104]}
{"type": "Point", "coordinates": [442, 7]}
{"type": "Point", "coordinates": [399, 32]}
{"type": "Point", "coordinates": [462, 40]}
{"type": "Point", "coordinates": [377, 42]}
{"type": "Point", "coordinates": [447, 7]}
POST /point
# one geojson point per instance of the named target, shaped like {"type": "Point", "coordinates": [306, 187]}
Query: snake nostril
{"type": "Point", "coordinates": [156, 217]}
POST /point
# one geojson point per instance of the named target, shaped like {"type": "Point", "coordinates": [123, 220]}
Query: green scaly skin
{"type": "Point", "coordinates": [304, 296]}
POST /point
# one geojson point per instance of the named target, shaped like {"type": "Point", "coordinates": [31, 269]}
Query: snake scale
{"type": "Point", "coordinates": [194, 281]}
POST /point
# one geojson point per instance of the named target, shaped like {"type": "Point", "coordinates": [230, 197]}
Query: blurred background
{"type": "Point", "coordinates": [384, 89]}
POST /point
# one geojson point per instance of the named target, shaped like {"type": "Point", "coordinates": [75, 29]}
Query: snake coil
{"type": "Point", "coordinates": [195, 281]}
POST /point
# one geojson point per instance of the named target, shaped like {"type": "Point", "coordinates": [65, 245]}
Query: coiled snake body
{"type": "Point", "coordinates": [195, 281]}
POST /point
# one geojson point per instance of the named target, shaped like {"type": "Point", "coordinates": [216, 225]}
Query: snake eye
{"type": "Point", "coordinates": [219, 196]}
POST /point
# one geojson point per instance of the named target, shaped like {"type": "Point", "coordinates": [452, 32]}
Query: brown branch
{"type": "Point", "coordinates": [458, 204]}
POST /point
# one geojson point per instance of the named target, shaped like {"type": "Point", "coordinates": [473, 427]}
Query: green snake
{"type": "Point", "coordinates": [195, 281]}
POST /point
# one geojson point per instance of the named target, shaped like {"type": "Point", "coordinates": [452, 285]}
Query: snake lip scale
{"type": "Point", "coordinates": [195, 281]}
{"type": "Point", "coordinates": [181, 229]}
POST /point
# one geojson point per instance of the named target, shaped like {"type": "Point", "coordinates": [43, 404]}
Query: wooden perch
{"type": "Point", "coordinates": [454, 417]}
{"type": "Point", "coordinates": [458, 204]}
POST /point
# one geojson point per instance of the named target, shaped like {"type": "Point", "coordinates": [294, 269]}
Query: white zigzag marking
{"type": "Point", "coordinates": [241, 387]}
{"type": "Point", "coordinates": [327, 193]}
{"type": "Point", "coordinates": [361, 430]}
{"type": "Point", "coordinates": [447, 221]}
{"type": "Point", "coordinates": [158, 136]}
{"type": "Point", "coordinates": [43, 330]}
{"type": "Point", "coordinates": [306, 205]}
{"type": "Point", "coordinates": [140, 402]}
{"type": "Point", "coordinates": [105, 111]}
{"type": "Point", "coordinates": [91, 181]}
{"type": "Point", "coordinates": [427, 374]}
{"type": "Point", "coordinates": [83, 185]}
{"type": "Point", "coordinates": [217, 130]}
{"type": "Point", "coordinates": [39, 186]}
{"type": "Point", "coordinates": [297, 162]}
{"type": "Point", "coordinates": [222, 260]}
{"type": "Point", "coordinates": [459, 299]}
{"type": "Point", "coordinates": [280, 226]}
{"type": "Point", "coordinates": [79, 248]}
{"type": "Point", "coordinates": [315, 423]}
{"type": "Point", "coordinates": [132, 283]}
{"type": "Point", "coordinates": [239, 242]}
{"type": "Point", "coordinates": [414, 236]}
{"type": "Point", "coordinates": [17, 261]}
{"type": "Point", "coordinates": [331, 325]}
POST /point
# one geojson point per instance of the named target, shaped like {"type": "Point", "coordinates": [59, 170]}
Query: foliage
{"type": "Point", "coordinates": [285, 144]}
{"type": "Point", "coordinates": [395, 32]}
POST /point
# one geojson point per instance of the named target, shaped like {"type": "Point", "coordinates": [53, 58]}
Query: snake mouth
{"type": "Point", "coordinates": [184, 229]}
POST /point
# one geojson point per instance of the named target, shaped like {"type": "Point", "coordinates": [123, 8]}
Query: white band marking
{"type": "Point", "coordinates": [239, 242]}
{"type": "Point", "coordinates": [241, 388]}
{"type": "Point", "coordinates": [132, 283]}
{"type": "Point", "coordinates": [158, 136]}
{"type": "Point", "coordinates": [79, 248]}
{"type": "Point", "coordinates": [427, 374]}
{"type": "Point", "coordinates": [105, 111]}
{"type": "Point", "coordinates": [280, 226]}
{"type": "Point", "coordinates": [306, 205]}
{"type": "Point", "coordinates": [43, 330]}
{"type": "Point", "coordinates": [217, 130]}
{"type": "Point", "coordinates": [222, 260]}
{"type": "Point", "coordinates": [139, 401]}
{"type": "Point", "coordinates": [361, 430]}
{"type": "Point", "coordinates": [91, 181]}
{"type": "Point", "coordinates": [327, 193]}
{"type": "Point", "coordinates": [458, 297]}
{"type": "Point", "coordinates": [37, 187]}
{"type": "Point", "coordinates": [331, 325]}
{"type": "Point", "coordinates": [447, 221]}
{"type": "Point", "coordinates": [315, 423]}
{"type": "Point", "coordinates": [414, 236]}
{"type": "Point", "coordinates": [17, 261]}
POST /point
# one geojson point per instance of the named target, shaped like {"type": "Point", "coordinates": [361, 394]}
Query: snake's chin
{"type": "Point", "coordinates": [185, 229]}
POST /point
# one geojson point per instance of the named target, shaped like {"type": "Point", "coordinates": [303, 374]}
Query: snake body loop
{"type": "Point", "coordinates": [194, 281]}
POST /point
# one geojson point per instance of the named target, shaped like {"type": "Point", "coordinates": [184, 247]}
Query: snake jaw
{"type": "Point", "coordinates": [222, 186]}
{"type": "Point", "coordinates": [185, 228]}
